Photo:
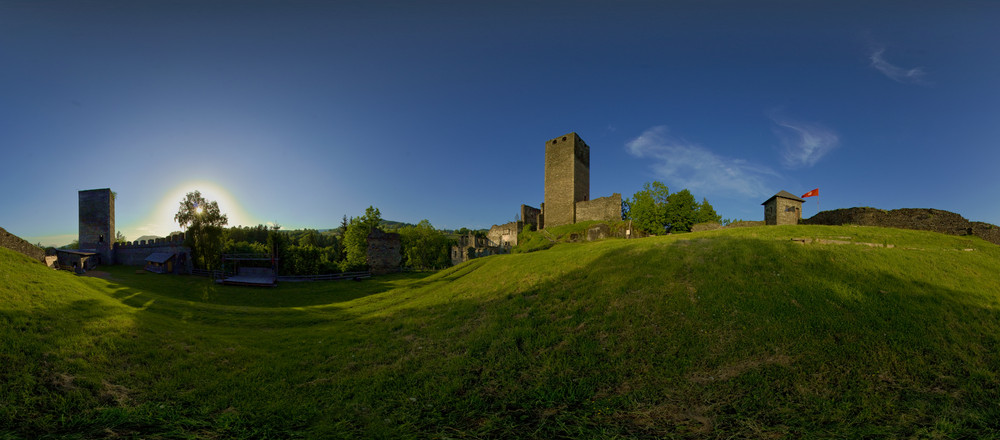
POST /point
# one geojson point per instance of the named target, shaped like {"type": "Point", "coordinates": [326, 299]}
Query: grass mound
{"type": "Point", "coordinates": [731, 333]}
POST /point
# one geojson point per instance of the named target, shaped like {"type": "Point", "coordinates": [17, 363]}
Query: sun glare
{"type": "Point", "coordinates": [161, 222]}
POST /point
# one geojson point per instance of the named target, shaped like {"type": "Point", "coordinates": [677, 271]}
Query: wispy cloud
{"type": "Point", "coordinates": [906, 76]}
{"type": "Point", "coordinates": [803, 144]}
{"type": "Point", "coordinates": [697, 168]}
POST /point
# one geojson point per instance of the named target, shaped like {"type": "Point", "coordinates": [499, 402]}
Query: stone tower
{"type": "Point", "coordinates": [567, 178]}
{"type": "Point", "coordinates": [97, 223]}
{"type": "Point", "coordinates": [783, 208]}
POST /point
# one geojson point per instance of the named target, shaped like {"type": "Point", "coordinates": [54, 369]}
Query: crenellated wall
{"type": "Point", "coordinates": [135, 253]}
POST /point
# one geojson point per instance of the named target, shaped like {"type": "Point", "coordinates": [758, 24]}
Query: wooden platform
{"type": "Point", "coordinates": [242, 280]}
{"type": "Point", "coordinates": [252, 276]}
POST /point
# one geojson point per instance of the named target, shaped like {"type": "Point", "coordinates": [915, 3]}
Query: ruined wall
{"type": "Point", "coordinates": [782, 211]}
{"type": "Point", "coordinates": [602, 208]}
{"type": "Point", "coordinates": [135, 253]}
{"type": "Point", "coordinates": [567, 178]}
{"type": "Point", "coordinates": [97, 222]}
{"type": "Point", "coordinates": [934, 220]}
{"type": "Point", "coordinates": [384, 254]}
{"type": "Point", "coordinates": [20, 245]}
{"type": "Point", "coordinates": [505, 234]}
{"type": "Point", "coordinates": [530, 216]}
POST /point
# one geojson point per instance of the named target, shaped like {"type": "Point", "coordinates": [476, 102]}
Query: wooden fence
{"type": "Point", "coordinates": [327, 277]}
{"type": "Point", "coordinates": [217, 274]}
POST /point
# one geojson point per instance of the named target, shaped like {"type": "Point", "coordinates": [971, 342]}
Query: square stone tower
{"type": "Point", "coordinates": [567, 178]}
{"type": "Point", "coordinates": [97, 223]}
{"type": "Point", "coordinates": [783, 208]}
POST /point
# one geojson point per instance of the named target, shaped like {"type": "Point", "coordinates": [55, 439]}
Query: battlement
{"type": "Point", "coordinates": [173, 240]}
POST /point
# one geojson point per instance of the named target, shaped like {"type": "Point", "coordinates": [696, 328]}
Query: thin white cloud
{"type": "Point", "coordinates": [803, 144]}
{"type": "Point", "coordinates": [697, 168]}
{"type": "Point", "coordinates": [896, 73]}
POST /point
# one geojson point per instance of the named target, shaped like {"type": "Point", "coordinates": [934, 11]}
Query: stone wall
{"type": "Point", "coordinates": [135, 253]}
{"type": "Point", "coordinates": [934, 220]}
{"type": "Point", "coordinates": [505, 234]}
{"type": "Point", "coordinates": [602, 208]}
{"type": "Point", "coordinates": [782, 211]}
{"type": "Point", "coordinates": [530, 216]}
{"type": "Point", "coordinates": [567, 178]}
{"type": "Point", "coordinates": [384, 254]}
{"type": "Point", "coordinates": [20, 245]}
{"type": "Point", "coordinates": [97, 222]}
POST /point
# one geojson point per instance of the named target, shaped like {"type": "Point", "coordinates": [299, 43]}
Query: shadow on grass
{"type": "Point", "coordinates": [131, 287]}
{"type": "Point", "coordinates": [724, 337]}
{"type": "Point", "coordinates": [737, 338]}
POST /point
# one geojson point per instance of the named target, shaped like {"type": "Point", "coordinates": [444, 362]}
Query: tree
{"type": "Point", "coordinates": [682, 211]}
{"type": "Point", "coordinates": [648, 208]}
{"type": "Point", "coordinates": [356, 239]}
{"type": "Point", "coordinates": [204, 222]}
{"type": "Point", "coordinates": [707, 214]}
{"type": "Point", "coordinates": [344, 222]}
{"type": "Point", "coordinates": [120, 238]}
{"type": "Point", "coordinates": [425, 247]}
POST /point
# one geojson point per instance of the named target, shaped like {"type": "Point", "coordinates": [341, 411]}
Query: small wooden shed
{"type": "Point", "coordinates": [160, 262]}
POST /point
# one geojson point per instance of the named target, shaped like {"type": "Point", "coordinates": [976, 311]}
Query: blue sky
{"type": "Point", "coordinates": [299, 112]}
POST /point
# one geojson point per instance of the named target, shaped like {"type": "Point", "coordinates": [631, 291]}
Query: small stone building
{"type": "Point", "coordinates": [783, 208]}
{"type": "Point", "coordinates": [384, 252]}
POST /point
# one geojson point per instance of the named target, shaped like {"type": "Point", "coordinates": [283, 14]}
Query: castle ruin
{"type": "Point", "coordinates": [97, 239]}
{"type": "Point", "coordinates": [567, 200]}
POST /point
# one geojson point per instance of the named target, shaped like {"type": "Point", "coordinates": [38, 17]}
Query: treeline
{"type": "Point", "coordinates": [656, 211]}
{"type": "Point", "coordinates": [343, 249]}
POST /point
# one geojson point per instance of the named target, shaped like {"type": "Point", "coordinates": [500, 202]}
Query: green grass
{"type": "Point", "coordinates": [721, 334]}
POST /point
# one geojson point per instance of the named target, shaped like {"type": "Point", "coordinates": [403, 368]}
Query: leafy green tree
{"type": "Point", "coordinates": [682, 211]}
{"type": "Point", "coordinates": [425, 247]}
{"type": "Point", "coordinates": [120, 238]}
{"type": "Point", "coordinates": [648, 208]}
{"type": "Point", "coordinates": [356, 239]}
{"type": "Point", "coordinates": [706, 213]}
{"type": "Point", "coordinates": [204, 222]}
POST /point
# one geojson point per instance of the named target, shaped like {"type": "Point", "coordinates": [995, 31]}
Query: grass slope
{"type": "Point", "coordinates": [720, 334]}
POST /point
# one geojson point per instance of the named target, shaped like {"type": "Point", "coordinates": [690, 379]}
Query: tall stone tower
{"type": "Point", "coordinates": [97, 223]}
{"type": "Point", "coordinates": [567, 178]}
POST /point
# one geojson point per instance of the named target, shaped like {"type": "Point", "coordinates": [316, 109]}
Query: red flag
{"type": "Point", "coordinates": [812, 193]}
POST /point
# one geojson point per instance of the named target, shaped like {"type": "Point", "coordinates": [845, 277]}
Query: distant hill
{"type": "Point", "coordinates": [147, 237]}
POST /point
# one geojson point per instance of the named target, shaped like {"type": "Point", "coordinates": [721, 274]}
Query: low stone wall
{"type": "Point", "coordinates": [602, 208]}
{"type": "Point", "coordinates": [698, 227]}
{"type": "Point", "coordinates": [20, 245]}
{"type": "Point", "coordinates": [934, 220]}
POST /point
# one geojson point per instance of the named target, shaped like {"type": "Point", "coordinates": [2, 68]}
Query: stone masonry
{"type": "Point", "coordinates": [567, 178]}
{"type": "Point", "coordinates": [601, 208]}
{"type": "Point", "coordinates": [783, 208]}
{"type": "Point", "coordinates": [18, 244]}
{"type": "Point", "coordinates": [97, 223]}
{"type": "Point", "coordinates": [384, 254]}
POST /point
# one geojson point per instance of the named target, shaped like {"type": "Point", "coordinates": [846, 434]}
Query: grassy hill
{"type": "Point", "coordinates": [722, 334]}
